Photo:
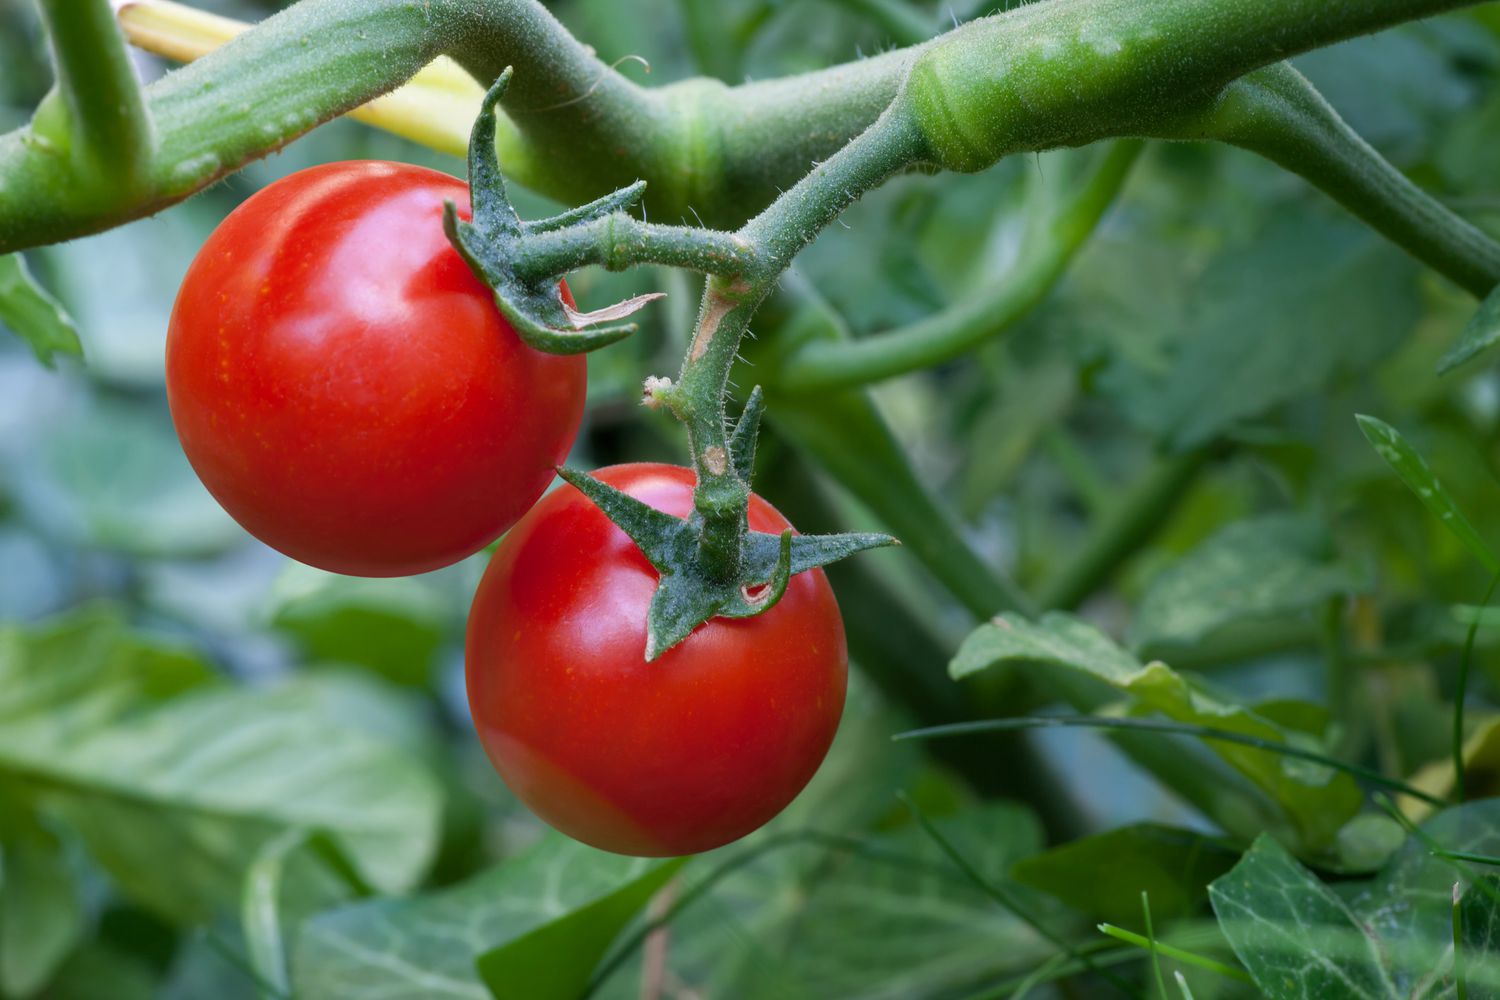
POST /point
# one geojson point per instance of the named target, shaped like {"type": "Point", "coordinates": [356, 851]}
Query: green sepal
{"type": "Point", "coordinates": [616, 201]}
{"type": "Point", "coordinates": [742, 438]}
{"type": "Point", "coordinates": [687, 595]}
{"type": "Point", "coordinates": [492, 241]}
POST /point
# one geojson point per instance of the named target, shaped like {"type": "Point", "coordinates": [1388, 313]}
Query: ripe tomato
{"type": "Point", "coordinates": [347, 389]}
{"type": "Point", "coordinates": [672, 757]}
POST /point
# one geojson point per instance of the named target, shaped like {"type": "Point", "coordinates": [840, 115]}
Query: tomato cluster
{"type": "Point", "coordinates": [347, 389]}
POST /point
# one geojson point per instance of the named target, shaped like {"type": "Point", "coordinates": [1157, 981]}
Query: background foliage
{"type": "Point", "coordinates": [223, 774]}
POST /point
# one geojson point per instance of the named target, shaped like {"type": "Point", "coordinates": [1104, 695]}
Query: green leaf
{"type": "Point", "coordinates": [1410, 904]}
{"type": "Point", "coordinates": [1413, 470]}
{"type": "Point", "coordinates": [1481, 332]}
{"type": "Point", "coordinates": [33, 315]}
{"type": "Point", "coordinates": [1342, 302]}
{"type": "Point", "coordinates": [556, 960]}
{"type": "Point", "coordinates": [1251, 569]}
{"type": "Point", "coordinates": [393, 626]}
{"type": "Point", "coordinates": [99, 969]}
{"type": "Point", "coordinates": [1481, 916]}
{"type": "Point", "coordinates": [1291, 932]}
{"type": "Point", "coordinates": [114, 476]}
{"type": "Point", "coordinates": [427, 946]}
{"type": "Point", "coordinates": [293, 876]}
{"type": "Point", "coordinates": [132, 748]}
{"type": "Point", "coordinates": [41, 913]}
{"type": "Point", "coordinates": [1103, 876]}
{"type": "Point", "coordinates": [1315, 798]}
{"type": "Point", "coordinates": [899, 921]}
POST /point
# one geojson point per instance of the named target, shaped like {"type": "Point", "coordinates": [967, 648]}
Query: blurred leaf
{"type": "Point", "coordinates": [1281, 922]}
{"type": "Point", "coordinates": [1479, 916]}
{"type": "Point", "coordinates": [898, 922]}
{"type": "Point", "coordinates": [211, 962]}
{"type": "Point", "coordinates": [1027, 402]}
{"type": "Point", "coordinates": [1389, 937]}
{"type": "Point", "coordinates": [41, 914]}
{"type": "Point", "coordinates": [556, 960]}
{"type": "Point", "coordinates": [1367, 842]}
{"type": "Point", "coordinates": [100, 970]}
{"type": "Point", "coordinates": [111, 475]}
{"type": "Point", "coordinates": [392, 626]}
{"type": "Point", "coordinates": [1413, 470]}
{"type": "Point", "coordinates": [203, 777]}
{"type": "Point", "coordinates": [33, 315]}
{"type": "Point", "coordinates": [83, 672]}
{"type": "Point", "coordinates": [1410, 904]}
{"type": "Point", "coordinates": [294, 875]}
{"type": "Point", "coordinates": [1254, 568]}
{"type": "Point", "coordinates": [1103, 876]}
{"type": "Point", "coordinates": [1481, 919]}
{"type": "Point", "coordinates": [1310, 300]}
{"type": "Point", "coordinates": [1481, 752]}
{"type": "Point", "coordinates": [1481, 332]}
{"type": "Point", "coordinates": [414, 949]}
{"type": "Point", "coordinates": [1315, 798]}
{"type": "Point", "coordinates": [120, 284]}
{"type": "Point", "coordinates": [1395, 88]}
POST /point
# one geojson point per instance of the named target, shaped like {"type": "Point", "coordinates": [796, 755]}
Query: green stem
{"type": "Point", "coordinates": [1178, 954]}
{"type": "Point", "coordinates": [1277, 114]}
{"type": "Point", "coordinates": [1068, 72]}
{"type": "Point", "coordinates": [106, 122]}
{"type": "Point", "coordinates": [1121, 532]}
{"type": "Point", "coordinates": [619, 241]}
{"type": "Point", "coordinates": [1050, 246]}
{"type": "Point", "coordinates": [775, 236]}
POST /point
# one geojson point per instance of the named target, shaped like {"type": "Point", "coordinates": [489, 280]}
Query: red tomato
{"type": "Point", "coordinates": [673, 757]}
{"type": "Point", "coordinates": [347, 389]}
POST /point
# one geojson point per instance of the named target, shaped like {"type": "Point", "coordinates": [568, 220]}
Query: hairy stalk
{"type": "Point", "coordinates": [775, 236]}
{"type": "Point", "coordinates": [618, 241]}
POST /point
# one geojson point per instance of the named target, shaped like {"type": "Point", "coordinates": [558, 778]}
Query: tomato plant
{"type": "Point", "coordinates": [1161, 335]}
{"type": "Point", "coordinates": [345, 386]}
{"type": "Point", "coordinates": [675, 756]}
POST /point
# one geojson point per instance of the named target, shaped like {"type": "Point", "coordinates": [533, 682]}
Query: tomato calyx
{"type": "Point", "coordinates": [694, 587]}
{"type": "Point", "coordinates": [495, 242]}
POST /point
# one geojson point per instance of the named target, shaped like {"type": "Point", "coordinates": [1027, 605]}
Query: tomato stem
{"type": "Point", "coordinates": [617, 241]}
{"type": "Point", "coordinates": [722, 497]}
{"type": "Point", "coordinates": [1276, 113]}
{"type": "Point", "coordinates": [97, 119]}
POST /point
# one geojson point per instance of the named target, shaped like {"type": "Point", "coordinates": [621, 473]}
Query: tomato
{"type": "Point", "coordinates": [348, 390]}
{"type": "Point", "coordinates": [676, 756]}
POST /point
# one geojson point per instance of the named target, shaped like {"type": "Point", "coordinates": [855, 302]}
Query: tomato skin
{"type": "Point", "coordinates": [672, 757]}
{"type": "Point", "coordinates": [348, 390]}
